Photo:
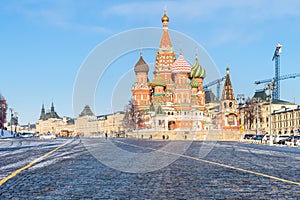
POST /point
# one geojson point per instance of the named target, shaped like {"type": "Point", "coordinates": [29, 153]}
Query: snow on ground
{"type": "Point", "coordinates": [16, 153]}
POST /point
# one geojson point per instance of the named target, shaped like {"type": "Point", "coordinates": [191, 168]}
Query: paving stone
{"type": "Point", "coordinates": [73, 173]}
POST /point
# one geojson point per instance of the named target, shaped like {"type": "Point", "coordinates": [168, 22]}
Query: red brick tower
{"type": "Point", "coordinates": [141, 89]}
{"type": "Point", "coordinates": [165, 57]}
{"type": "Point", "coordinates": [228, 108]}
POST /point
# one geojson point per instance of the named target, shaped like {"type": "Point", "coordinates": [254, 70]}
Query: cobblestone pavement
{"type": "Point", "coordinates": [72, 172]}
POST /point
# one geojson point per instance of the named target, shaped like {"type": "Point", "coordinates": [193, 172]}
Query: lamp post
{"type": "Point", "coordinates": [11, 116]}
{"type": "Point", "coordinates": [270, 87]}
{"type": "Point", "coordinates": [241, 99]}
{"type": "Point", "coordinates": [2, 118]}
{"type": "Point", "coordinates": [257, 100]}
{"type": "Point", "coordinates": [16, 121]}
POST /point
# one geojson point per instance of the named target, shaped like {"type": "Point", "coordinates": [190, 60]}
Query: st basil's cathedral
{"type": "Point", "coordinates": [175, 99]}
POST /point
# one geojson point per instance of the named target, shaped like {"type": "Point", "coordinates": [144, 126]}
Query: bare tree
{"type": "Point", "coordinates": [133, 118]}
{"type": "Point", "coordinates": [250, 112]}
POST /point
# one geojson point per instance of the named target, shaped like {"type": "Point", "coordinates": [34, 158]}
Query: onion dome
{"type": "Point", "coordinates": [194, 83]}
{"type": "Point", "coordinates": [158, 81]}
{"type": "Point", "coordinates": [165, 18]}
{"type": "Point", "coordinates": [141, 65]}
{"type": "Point", "coordinates": [197, 70]}
{"type": "Point", "coordinates": [181, 65]}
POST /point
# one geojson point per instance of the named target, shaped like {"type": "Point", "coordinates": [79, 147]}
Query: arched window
{"type": "Point", "coordinates": [230, 104]}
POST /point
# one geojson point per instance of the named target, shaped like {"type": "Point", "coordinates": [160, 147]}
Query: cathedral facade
{"type": "Point", "coordinates": [174, 99]}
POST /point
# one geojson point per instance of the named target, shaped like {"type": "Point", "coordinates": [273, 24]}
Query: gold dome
{"type": "Point", "coordinates": [165, 18]}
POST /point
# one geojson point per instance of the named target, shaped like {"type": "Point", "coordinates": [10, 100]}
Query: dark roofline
{"type": "Point", "coordinates": [286, 110]}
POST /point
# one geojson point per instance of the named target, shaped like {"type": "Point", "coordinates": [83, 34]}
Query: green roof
{"type": "Point", "coordinates": [158, 81]}
{"type": "Point", "coordinates": [194, 83]}
{"type": "Point", "coordinates": [261, 94]}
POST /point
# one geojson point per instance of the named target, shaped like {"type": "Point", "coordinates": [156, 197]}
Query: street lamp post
{"type": "Point", "coordinates": [241, 99]}
{"type": "Point", "coordinates": [11, 116]}
{"type": "Point", "coordinates": [257, 100]}
{"type": "Point", "coordinates": [270, 87]}
{"type": "Point", "coordinates": [16, 121]}
{"type": "Point", "coordinates": [2, 118]}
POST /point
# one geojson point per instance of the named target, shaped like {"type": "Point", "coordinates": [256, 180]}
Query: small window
{"type": "Point", "coordinates": [224, 104]}
{"type": "Point", "coordinates": [230, 104]}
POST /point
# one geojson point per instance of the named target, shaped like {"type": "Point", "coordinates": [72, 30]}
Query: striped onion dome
{"type": "Point", "coordinates": [181, 65]}
{"type": "Point", "coordinates": [158, 81]}
{"type": "Point", "coordinates": [141, 65]}
{"type": "Point", "coordinates": [197, 70]}
{"type": "Point", "coordinates": [194, 83]}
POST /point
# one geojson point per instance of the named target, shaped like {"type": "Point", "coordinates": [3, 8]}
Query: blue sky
{"type": "Point", "coordinates": [44, 43]}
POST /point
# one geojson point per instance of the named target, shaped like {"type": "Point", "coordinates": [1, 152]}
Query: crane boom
{"type": "Point", "coordinates": [283, 77]}
{"type": "Point", "coordinates": [206, 86]}
{"type": "Point", "coordinates": [276, 57]}
{"type": "Point", "coordinates": [218, 82]}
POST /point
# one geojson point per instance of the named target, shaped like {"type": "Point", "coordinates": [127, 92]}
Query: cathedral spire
{"type": "Point", "coordinates": [228, 89]}
{"type": "Point", "coordinates": [52, 107]}
{"type": "Point", "coordinates": [165, 42]}
{"type": "Point", "coordinates": [43, 113]}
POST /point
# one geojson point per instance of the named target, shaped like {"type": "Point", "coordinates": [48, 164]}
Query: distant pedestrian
{"type": "Point", "coordinates": [106, 136]}
{"type": "Point", "coordinates": [167, 137]}
{"type": "Point", "coordinates": [163, 137]}
{"type": "Point", "coordinates": [265, 139]}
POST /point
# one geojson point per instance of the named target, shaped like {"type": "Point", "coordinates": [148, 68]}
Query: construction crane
{"type": "Point", "coordinates": [218, 82]}
{"type": "Point", "coordinates": [276, 57]}
{"type": "Point", "coordinates": [283, 77]}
